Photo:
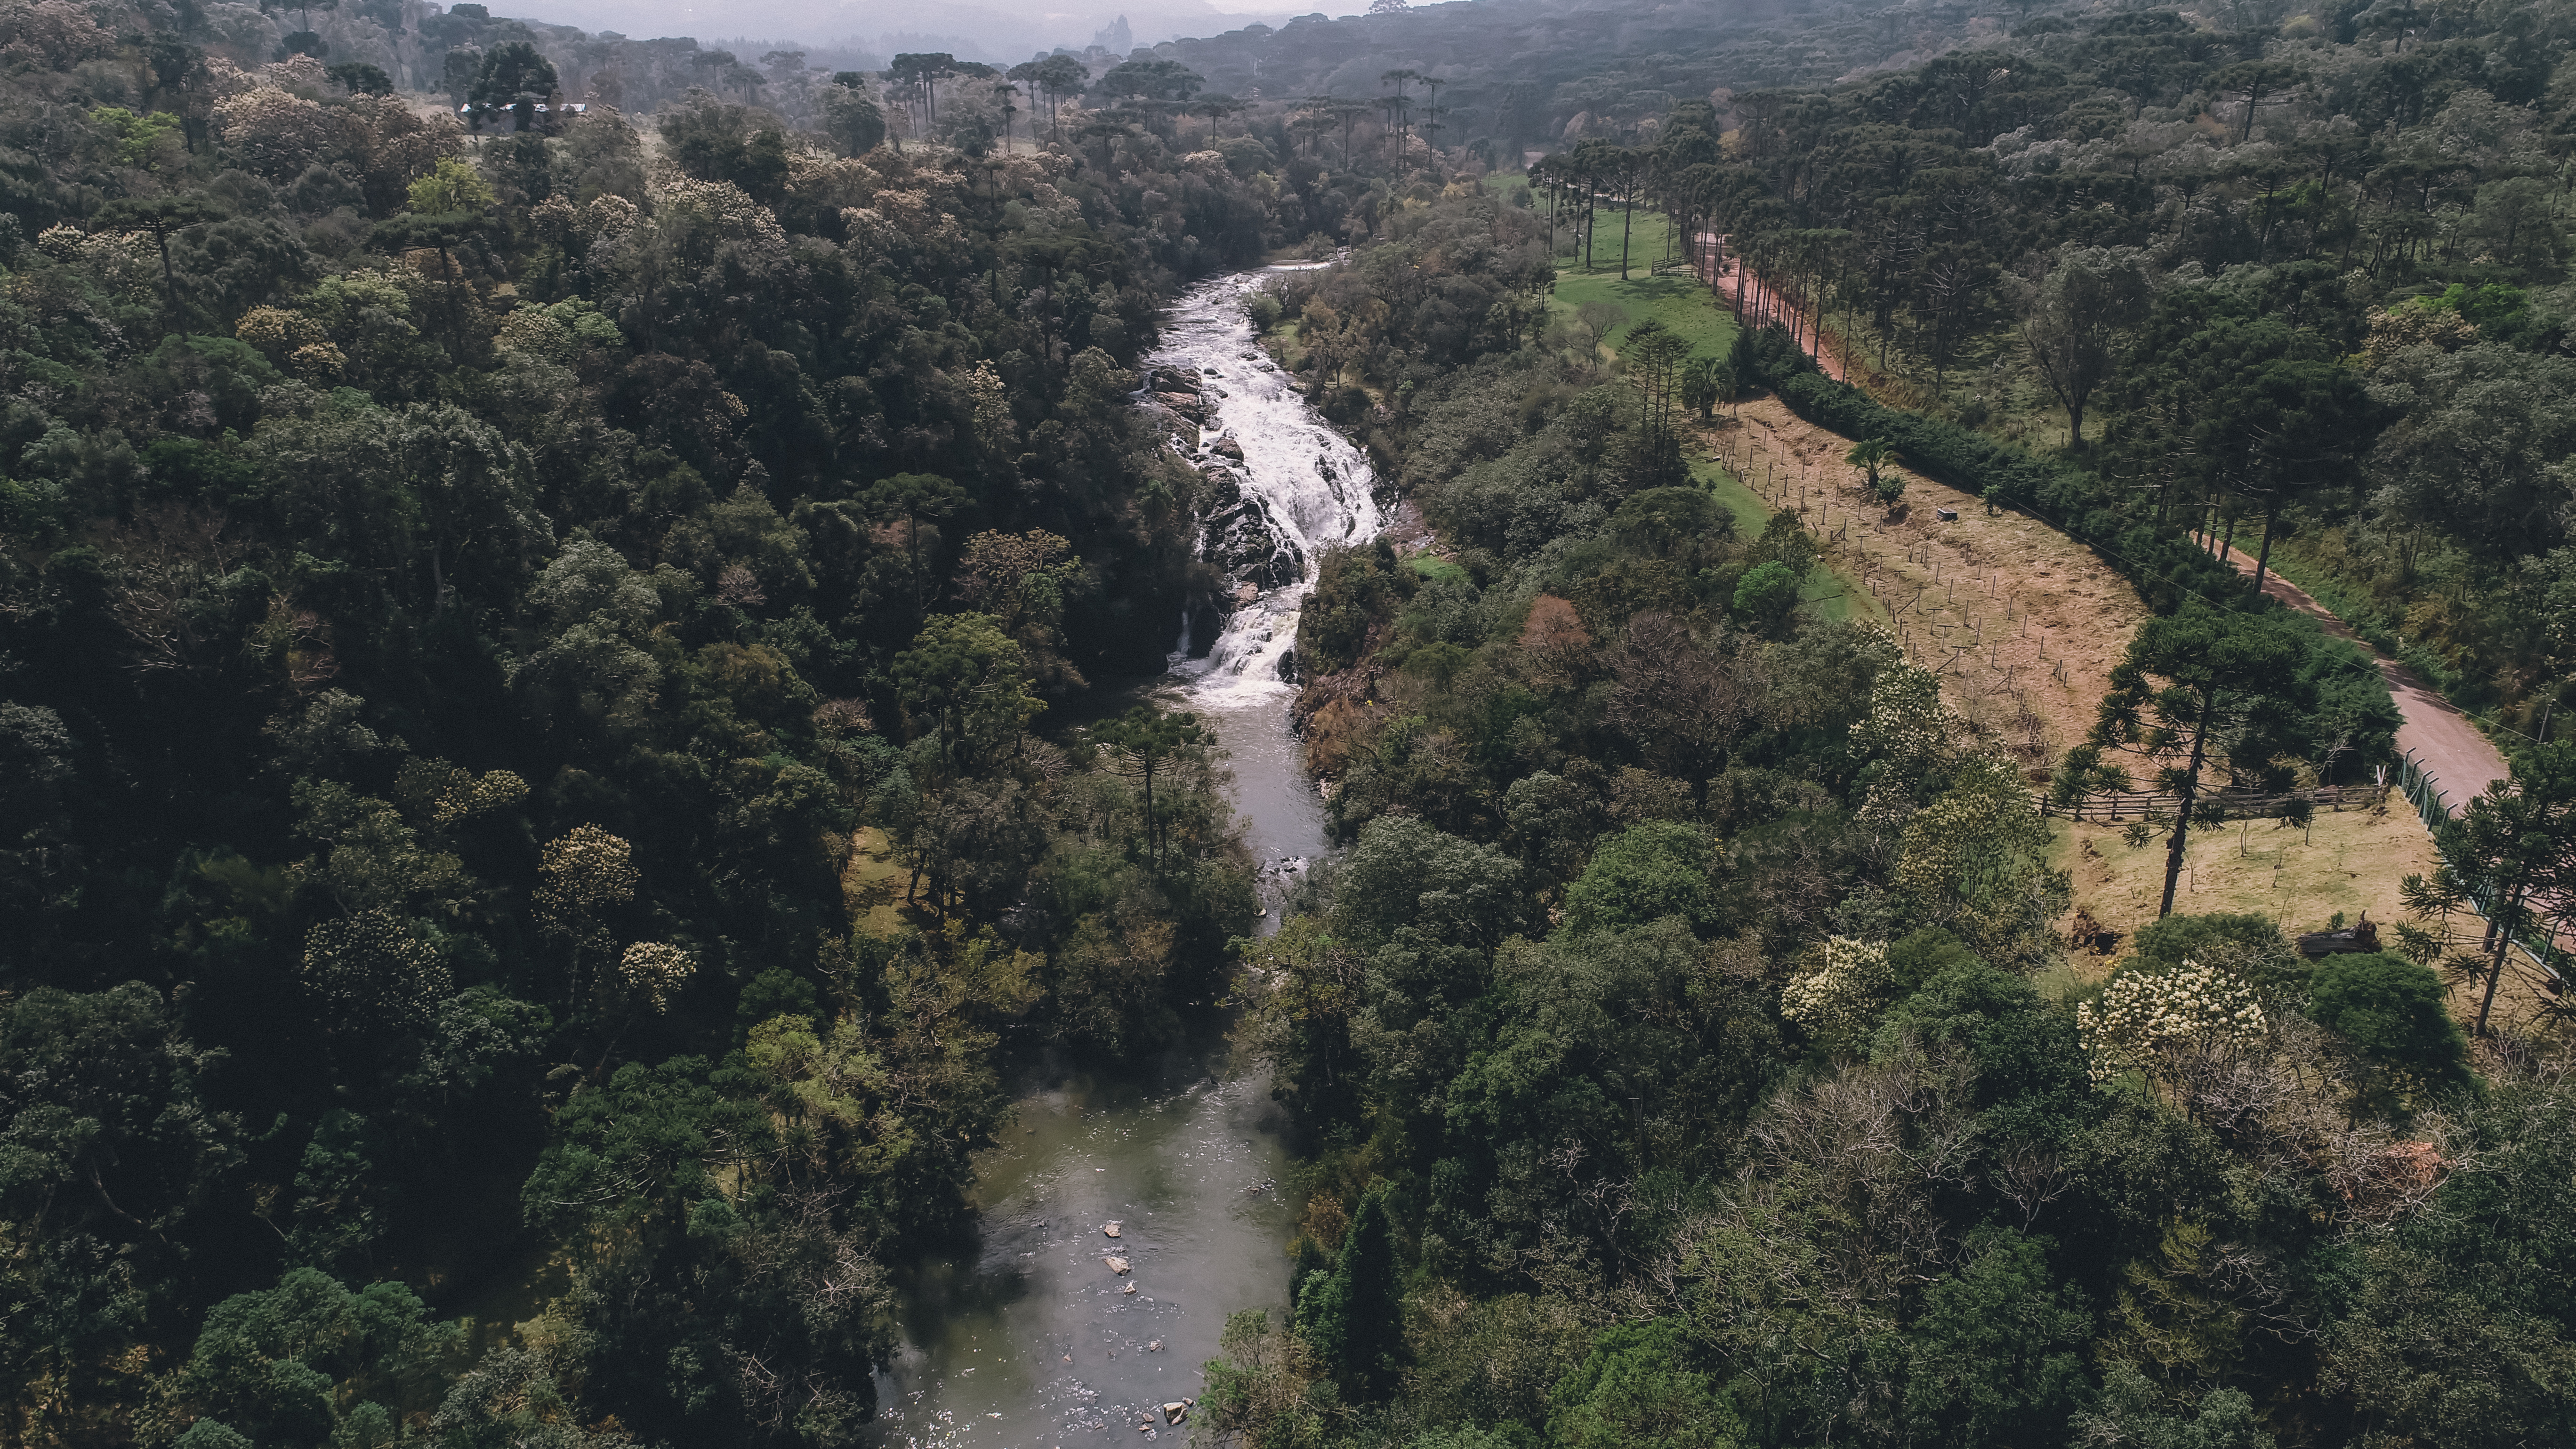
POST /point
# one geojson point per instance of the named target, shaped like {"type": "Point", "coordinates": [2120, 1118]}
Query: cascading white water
{"type": "Point", "coordinates": [1030, 1341]}
{"type": "Point", "coordinates": [1309, 485]}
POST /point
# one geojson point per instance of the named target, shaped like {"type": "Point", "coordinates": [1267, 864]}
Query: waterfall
{"type": "Point", "coordinates": [1286, 486]}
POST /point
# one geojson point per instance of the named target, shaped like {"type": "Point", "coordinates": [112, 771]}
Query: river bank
{"type": "Point", "coordinates": [1029, 1335]}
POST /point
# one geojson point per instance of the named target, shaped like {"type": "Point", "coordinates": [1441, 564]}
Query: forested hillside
{"type": "Point", "coordinates": [563, 601]}
{"type": "Point", "coordinates": [1684, 1047]}
{"type": "Point", "coordinates": [2301, 282]}
{"type": "Point", "coordinates": [475, 612]}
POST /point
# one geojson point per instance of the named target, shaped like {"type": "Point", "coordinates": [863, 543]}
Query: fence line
{"type": "Point", "coordinates": [2118, 805]}
{"type": "Point", "coordinates": [2434, 805]}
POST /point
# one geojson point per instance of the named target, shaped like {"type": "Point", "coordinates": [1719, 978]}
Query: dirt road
{"type": "Point", "coordinates": [1724, 273]}
{"type": "Point", "coordinates": [2451, 750]}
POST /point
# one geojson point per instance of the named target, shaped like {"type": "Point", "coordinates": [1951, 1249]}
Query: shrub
{"type": "Point", "coordinates": [2393, 1012]}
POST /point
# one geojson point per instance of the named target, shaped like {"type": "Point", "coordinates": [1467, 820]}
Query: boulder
{"type": "Point", "coordinates": [1175, 1411]}
{"type": "Point", "coordinates": [1227, 447]}
{"type": "Point", "coordinates": [1109, 1230]}
{"type": "Point", "coordinates": [1117, 1265]}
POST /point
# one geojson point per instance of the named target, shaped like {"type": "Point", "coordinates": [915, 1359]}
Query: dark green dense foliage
{"type": "Point", "coordinates": [1687, 999]}
{"type": "Point", "coordinates": [536, 812]}
{"type": "Point", "coordinates": [528, 751]}
{"type": "Point", "coordinates": [2294, 280]}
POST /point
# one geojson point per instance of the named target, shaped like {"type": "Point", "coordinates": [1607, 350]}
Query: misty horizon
{"type": "Point", "coordinates": [997, 33]}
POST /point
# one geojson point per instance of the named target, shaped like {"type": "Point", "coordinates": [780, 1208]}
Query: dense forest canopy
{"type": "Point", "coordinates": [478, 585]}
{"type": "Point", "coordinates": [559, 609]}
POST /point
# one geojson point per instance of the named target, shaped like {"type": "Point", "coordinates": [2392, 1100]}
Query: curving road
{"type": "Point", "coordinates": [2450, 748]}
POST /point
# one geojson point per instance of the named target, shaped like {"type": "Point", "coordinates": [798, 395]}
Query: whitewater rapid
{"type": "Point", "coordinates": [1310, 485]}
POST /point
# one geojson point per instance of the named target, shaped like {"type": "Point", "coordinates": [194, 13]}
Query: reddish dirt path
{"type": "Point", "coordinates": [2459, 758]}
{"type": "Point", "coordinates": [1741, 290]}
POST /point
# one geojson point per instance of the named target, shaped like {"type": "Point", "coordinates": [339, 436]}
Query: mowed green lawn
{"type": "Point", "coordinates": [1827, 591]}
{"type": "Point", "coordinates": [1677, 299]}
{"type": "Point", "coordinates": [1692, 312]}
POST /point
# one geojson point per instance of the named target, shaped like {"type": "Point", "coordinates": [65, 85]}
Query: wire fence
{"type": "Point", "coordinates": [2536, 940]}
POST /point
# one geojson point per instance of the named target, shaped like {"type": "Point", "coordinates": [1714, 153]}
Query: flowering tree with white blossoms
{"type": "Point", "coordinates": [1838, 998]}
{"type": "Point", "coordinates": [654, 970]}
{"type": "Point", "coordinates": [2144, 1018]}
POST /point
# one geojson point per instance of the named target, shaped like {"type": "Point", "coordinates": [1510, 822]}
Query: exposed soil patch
{"type": "Point", "coordinates": [2023, 623]}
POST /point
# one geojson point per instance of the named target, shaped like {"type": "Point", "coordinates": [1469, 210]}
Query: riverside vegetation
{"type": "Point", "coordinates": [467, 603]}
{"type": "Point", "coordinates": [481, 595]}
{"type": "Point", "coordinates": [1682, 1049]}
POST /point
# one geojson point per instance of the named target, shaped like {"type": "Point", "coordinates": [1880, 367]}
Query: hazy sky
{"type": "Point", "coordinates": [1009, 30]}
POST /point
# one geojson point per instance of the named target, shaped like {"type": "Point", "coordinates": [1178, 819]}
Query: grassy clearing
{"type": "Point", "coordinates": [1687, 308]}
{"type": "Point", "coordinates": [2350, 862]}
{"type": "Point", "coordinates": [872, 884]}
{"type": "Point", "coordinates": [1678, 300]}
{"type": "Point", "coordinates": [1828, 592]}
{"type": "Point", "coordinates": [2024, 623]}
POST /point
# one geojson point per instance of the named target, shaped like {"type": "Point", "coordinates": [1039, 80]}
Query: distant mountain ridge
{"type": "Point", "coordinates": [971, 32]}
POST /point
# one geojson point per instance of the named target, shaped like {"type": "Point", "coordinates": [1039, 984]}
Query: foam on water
{"type": "Point", "coordinates": [1313, 484]}
{"type": "Point", "coordinates": [1024, 1339]}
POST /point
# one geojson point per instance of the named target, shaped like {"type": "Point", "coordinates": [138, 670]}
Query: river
{"type": "Point", "coordinates": [1030, 1340]}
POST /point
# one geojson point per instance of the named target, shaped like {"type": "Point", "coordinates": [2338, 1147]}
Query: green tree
{"type": "Point", "coordinates": [1706, 382]}
{"type": "Point", "coordinates": [1651, 356]}
{"type": "Point", "coordinates": [451, 188]}
{"type": "Point", "coordinates": [968, 682]}
{"type": "Point", "coordinates": [107, 1150]}
{"type": "Point", "coordinates": [1639, 1390]}
{"type": "Point", "coordinates": [2397, 1014]}
{"type": "Point", "coordinates": [1146, 739]}
{"type": "Point", "coordinates": [1767, 596]}
{"type": "Point", "coordinates": [2287, 428]}
{"type": "Point", "coordinates": [309, 1361]}
{"type": "Point", "coordinates": [2190, 682]}
{"type": "Point", "coordinates": [915, 498]}
{"type": "Point", "coordinates": [1352, 1317]}
{"type": "Point", "coordinates": [851, 117]}
{"type": "Point", "coordinates": [2077, 318]}
{"type": "Point", "coordinates": [1873, 456]}
{"type": "Point", "coordinates": [1151, 80]}
{"type": "Point", "coordinates": [2516, 844]}
{"type": "Point", "coordinates": [1995, 1357]}
{"type": "Point", "coordinates": [443, 233]}
{"type": "Point", "coordinates": [162, 216]}
{"type": "Point", "coordinates": [1652, 869]}
{"type": "Point", "coordinates": [2132, 1410]}
{"type": "Point", "coordinates": [923, 71]}
{"type": "Point", "coordinates": [515, 76]}
{"type": "Point", "coordinates": [361, 79]}
{"type": "Point", "coordinates": [1060, 77]}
